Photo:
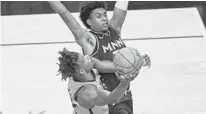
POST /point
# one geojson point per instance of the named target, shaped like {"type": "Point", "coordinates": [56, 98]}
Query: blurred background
{"type": "Point", "coordinates": [42, 7]}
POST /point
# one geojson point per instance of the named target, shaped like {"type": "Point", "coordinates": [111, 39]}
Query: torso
{"type": "Point", "coordinates": [105, 47]}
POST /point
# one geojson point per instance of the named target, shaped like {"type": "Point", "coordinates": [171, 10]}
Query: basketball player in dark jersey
{"type": "Point", "coordinates": [86, 91]}
{"type": "Point", "coordinates": [101, 41]}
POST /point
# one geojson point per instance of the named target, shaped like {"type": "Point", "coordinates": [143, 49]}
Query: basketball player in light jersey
{"type": "Point", "coordinates": [101, 41]}
{"type": "Point", "coordinates": [86, 92]}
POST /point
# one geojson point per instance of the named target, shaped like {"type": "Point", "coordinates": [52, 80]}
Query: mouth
{"type": "Point", "coordinates": [105, 24]}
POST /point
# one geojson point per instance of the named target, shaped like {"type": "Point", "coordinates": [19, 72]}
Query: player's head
{"type": "Point", "coordinates": [94, 15]}
{"type": "Point", "coordinates": [73, 64]}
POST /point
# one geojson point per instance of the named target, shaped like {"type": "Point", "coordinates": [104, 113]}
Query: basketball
{"type": "Point", "coordinates": [127, 61]}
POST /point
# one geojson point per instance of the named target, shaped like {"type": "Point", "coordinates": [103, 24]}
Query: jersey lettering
{"type": "Point", "coordinates": [111, 46]}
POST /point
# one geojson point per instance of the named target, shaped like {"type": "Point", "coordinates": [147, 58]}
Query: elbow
{"type": "Point", "coordinates": [114, 101]}
{"type": "Point", "coordinates": [102, 102]}
{"type": "Point", "coordinates": [106, 102]}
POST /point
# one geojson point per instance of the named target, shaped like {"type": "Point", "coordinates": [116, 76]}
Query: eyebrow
{"type": "Point", "coordinates": [101, 13]}
{"type": "Point", "coordinates": [97, 13]}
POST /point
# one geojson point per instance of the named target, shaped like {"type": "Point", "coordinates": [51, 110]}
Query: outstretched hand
{"type": "Point", "coordinates": [146, 60]}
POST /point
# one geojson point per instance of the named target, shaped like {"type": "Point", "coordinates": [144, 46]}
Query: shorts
{"type": "Point", "coordinates": [125, 107]}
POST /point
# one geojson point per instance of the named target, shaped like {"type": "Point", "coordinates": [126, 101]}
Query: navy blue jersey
{"type": "Point", "coordinates": [106, 46]}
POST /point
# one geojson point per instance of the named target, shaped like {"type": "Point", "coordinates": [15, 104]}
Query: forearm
{"type": "Point", "coordinates": [58, 6]}
{"type": "Point", "coordinates": [68, 18]}
{"type": "Point", "coordinates": [123, 5]}
{"type": "Point", "coordinates": [116, 94]}
{"type": "Point", "coordinates": [119, 14]}
{"type": "Point", "coordinates": [104, 66]}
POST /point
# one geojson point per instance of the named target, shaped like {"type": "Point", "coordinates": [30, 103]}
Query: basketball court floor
{"type": "Point", "coordinates": [175, 83]}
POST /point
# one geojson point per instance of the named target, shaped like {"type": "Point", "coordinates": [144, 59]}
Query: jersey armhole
{"type": "Point", "coordinates": [96, 46]}
{"type": "Point", "coordinates": [79, 90]}
{"type": "Point", "coordinates": [117, 31]}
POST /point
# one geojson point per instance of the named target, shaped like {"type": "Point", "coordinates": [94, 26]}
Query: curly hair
{"type": "Point", "coordinates": [87, 8]}
{"type": "Point", "coordinates": [68, 63]}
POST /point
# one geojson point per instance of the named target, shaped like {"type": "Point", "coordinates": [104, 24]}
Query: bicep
{"type": "Point", "coordinates": [87, 43]}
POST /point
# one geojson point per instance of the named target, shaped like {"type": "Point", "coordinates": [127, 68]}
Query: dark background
{"type": "Point", "coordinates": [42, 7]}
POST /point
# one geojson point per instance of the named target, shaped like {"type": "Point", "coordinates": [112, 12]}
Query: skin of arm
{"type": "Point", "coordinates": [119, 15]}
{"type": "Point", "coordinates": [104, 66]}
{"type": "Point", "coordinates": [82, 37]}
{"type": "Point", "coordinates": [91, 96]}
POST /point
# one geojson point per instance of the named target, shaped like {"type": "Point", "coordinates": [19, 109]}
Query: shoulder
{"type": "Point", "coordinates": [87, 95]}
{"type": "Point", "coordinates": [90, 37]}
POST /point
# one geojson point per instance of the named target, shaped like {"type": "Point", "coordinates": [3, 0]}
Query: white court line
{"type": "Point", "coordinates": [127, 39]}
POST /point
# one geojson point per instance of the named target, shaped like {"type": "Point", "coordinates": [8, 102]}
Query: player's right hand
{"type": "Point", "coordinates": [124, 79]}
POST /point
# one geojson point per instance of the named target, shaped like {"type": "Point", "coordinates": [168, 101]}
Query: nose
{"type": "Point", "coordinates": [104, 18]}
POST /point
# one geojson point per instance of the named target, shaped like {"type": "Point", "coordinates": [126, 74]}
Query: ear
{"type": "Point", "coordinates": [89, 22]}
{"type": "Point", "coordinates": [82, 71]}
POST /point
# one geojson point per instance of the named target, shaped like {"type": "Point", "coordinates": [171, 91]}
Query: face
{"type": "Point", "coordinates": [85, 62]}
{"type": "Point", "coordinates": [98, 20]}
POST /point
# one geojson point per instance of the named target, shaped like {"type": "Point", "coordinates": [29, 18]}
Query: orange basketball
{"type": "Point", "coordinates": [127, 61]}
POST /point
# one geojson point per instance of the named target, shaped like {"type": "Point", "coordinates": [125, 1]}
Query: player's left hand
{"type": "Point", "coordinates": [131, 76]}
{"type": "Point", "coordinates": [146, 60]}
{"type": "Point", "coordinates": [124, 79]}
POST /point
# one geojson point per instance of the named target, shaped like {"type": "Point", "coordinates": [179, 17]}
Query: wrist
{"type": "Point", "coordinates": [58, 7]}
{"type": "Point", "coordinates": [122, 5]}
{"type": "Point", "coordinates": [123, 84]}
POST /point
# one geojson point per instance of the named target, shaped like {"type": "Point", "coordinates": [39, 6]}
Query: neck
{"type": "Point", "coordinates": [86, 77]}
{"type": "Point", "coordinates": [106, 32]}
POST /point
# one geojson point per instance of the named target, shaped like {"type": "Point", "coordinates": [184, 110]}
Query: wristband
{"type": "Point", "coordinates": [122, 5]}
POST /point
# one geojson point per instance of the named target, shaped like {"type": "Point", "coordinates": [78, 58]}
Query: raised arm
{"type": "Point", "coordinates": [70, 21]}
{"type": "Point", "coordinates": [119, 15]}
{"type": "Point", "coordinates": [90, 95]}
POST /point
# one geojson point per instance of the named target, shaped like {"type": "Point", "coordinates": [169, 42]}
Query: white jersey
{"type": "Point", "coordinates": [73, 88]}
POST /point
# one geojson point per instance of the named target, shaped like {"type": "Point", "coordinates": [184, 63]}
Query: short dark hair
{"type": "Point", "coordinates": [68, 63]}
{"type": "Point", "coordinates": [87, 8]}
